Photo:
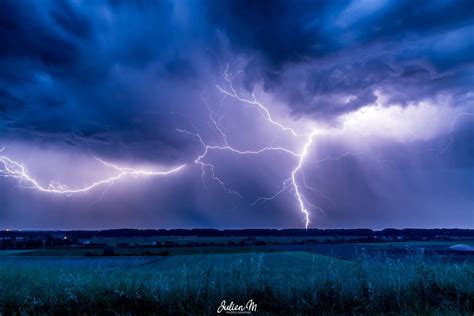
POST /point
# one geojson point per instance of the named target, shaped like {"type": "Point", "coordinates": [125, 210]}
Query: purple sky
{"type": "Point", "coordinates": [358, 113]}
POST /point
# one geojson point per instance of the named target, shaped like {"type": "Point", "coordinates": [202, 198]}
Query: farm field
{"type": "Point", "coordinates": [353, 250]}
{"type": "Point", "coordinates": [412, 277]}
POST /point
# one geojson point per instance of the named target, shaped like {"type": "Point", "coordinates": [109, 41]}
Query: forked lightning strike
{"type": "Point", "coordinates": [301, 199]}
{"type": "Point", "coordinates": [253, 102]}
{"type": "Point", "coordinates": [12, 169]}
{"type": "Point", "coordinates": [295, 183]}
{"type": "Point", "coordinates": [295, 174]}
{"type": "Point", "coordinates": [451, 129]}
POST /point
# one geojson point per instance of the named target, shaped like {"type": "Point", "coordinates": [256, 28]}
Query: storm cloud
{"type": "Point", "coordinates": [116, 79]}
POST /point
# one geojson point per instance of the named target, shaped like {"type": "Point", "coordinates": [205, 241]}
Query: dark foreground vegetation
{"type": "Point", "coordinates": [411, 233]}
{"type": "Point", "coordinates": [280, 283]}
{"type": "Point", "coordinates": [284, 275]}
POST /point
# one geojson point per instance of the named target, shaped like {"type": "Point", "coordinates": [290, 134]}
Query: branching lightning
{"type": "Point", "coordinates": [13, 169]}
{"type": "Point", "coordinates": [204, 165]}
{"type": "Point", "coordinates": [296, 181]}
{"type": "Point", "coordinates": [232, 92]}
{"type": "Point", "coordinates": [298, 170]}
{"type": "Point", "coordinates": [451, 129]}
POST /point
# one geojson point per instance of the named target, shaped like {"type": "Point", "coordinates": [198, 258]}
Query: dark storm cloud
{"type": "Point", "coordinates": [81, 72]}
{"type": "Point", "coordinates": [28, 33]}
{"type": "Point", "coordinates": [284, 32]}
{"type": "Point", "coordinates": [117, 78]}
{"type": "Point", "coordinates": [103, 73]}
{"type": "Point", "coordinates": [345, 87]}
{"type": "Point", "coordinates": [279, 31]}
{"type": "Point", "coordinates": [347, 50]}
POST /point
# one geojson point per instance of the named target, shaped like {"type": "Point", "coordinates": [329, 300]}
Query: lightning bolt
{"type": "Point", "coordinates": [204, 165]}
{"type": "Point", "coordinates": [451, 129]}
{"type": "Point", "coordinates": [296, 174]}
{"type": "Point", "coordinates": [295, 181]}
{"type": "Point", "coordinates": [298, 170]}
{"type": "Point", "coordinates": [232, 92]}
{"type": "Point", "coordinates": [13, 169]}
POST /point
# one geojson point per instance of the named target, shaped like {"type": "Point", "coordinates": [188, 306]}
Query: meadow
{"type": "Point", "coordinates": [373, 279]}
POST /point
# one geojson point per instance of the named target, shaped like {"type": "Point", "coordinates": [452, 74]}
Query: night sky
{"type": "Point", "coordinates": [369, 105]}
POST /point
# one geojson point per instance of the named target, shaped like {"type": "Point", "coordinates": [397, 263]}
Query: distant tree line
{"type": "Point", "coordinates": [33, 242]}
{"type": "Point", "coordinates": [411, 233]}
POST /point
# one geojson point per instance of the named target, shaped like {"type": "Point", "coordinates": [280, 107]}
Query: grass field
{"type": "Point", "coordinates": [287, 283]}
{"type": "Point", "coordinates": [348, 251]}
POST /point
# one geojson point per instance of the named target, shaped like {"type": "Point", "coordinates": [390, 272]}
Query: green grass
{"type": "Point", "coordinates": [12, 252]}
{"type": "Point", "coordinates": [287, 283]}
{"type": "Point", "coordinates": [426, 244]}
